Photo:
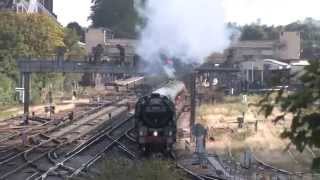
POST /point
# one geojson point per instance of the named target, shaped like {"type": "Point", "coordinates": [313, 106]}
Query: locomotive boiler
{"type": "Point", "coordinates": [156, 117]}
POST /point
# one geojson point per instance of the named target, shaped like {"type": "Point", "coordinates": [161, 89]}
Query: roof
{"type": "Point", "coordinates": [216, 58]}
{"type": "Point", "coordinates": [276, 62]}
{"type": "Point", "coordinates": [254, 44]}
{"type": "Point", "coordinates": [300, 63]}
{"type": "Point", "coordinates": [123, 42]}
{"type": "Point", "coordinates": [128, 81]}
{"type": "Point", "coordinates": [99, 28]}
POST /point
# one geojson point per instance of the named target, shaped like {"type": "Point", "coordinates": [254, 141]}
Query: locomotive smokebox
{"type": "Point", "coordinates": [156, 116]}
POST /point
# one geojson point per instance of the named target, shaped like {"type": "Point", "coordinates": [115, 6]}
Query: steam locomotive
{"type": "Point", "coordinates": [155, 117]}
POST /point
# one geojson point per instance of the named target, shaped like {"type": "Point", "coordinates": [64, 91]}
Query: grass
{"type": "Point", "coordinates": [225, 109]}
{"type": "Point", "coordinates": [231, 107]}
{"type": "Point", "coordinates": [7, 114]}
{"type": "Point", "coordinates": [121, 169]}
{"type": "Point", "coordinates": [241, 136]}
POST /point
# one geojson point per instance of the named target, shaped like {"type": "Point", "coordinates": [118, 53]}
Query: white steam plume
{"type": "Point", "coordinates": [187, 29]}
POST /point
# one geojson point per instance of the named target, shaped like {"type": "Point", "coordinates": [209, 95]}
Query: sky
{"type": "Point", "coordinates": [72, 11]}
{"type": "Point", "coordinates": [271, 12]}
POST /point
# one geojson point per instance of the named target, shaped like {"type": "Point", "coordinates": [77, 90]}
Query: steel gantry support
{"type": "Point", "coordinates": [27, 67]}
{"type": "Point", "coordinates": [26, 84]}
{"type": "Point", "coordinates": [193, 104]}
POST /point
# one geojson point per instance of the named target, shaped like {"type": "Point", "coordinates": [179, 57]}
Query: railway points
{"type": "Point", "coordinates": [78, 146]}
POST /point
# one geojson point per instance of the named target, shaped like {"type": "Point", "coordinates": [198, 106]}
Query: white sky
{"type": "Point", "coordinates": [241, 11]}
{"type": "Point", "coordinates": [72, 11]}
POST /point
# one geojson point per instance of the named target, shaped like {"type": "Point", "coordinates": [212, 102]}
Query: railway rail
{"type": "Point", "coordinates": [48, 159]}
{"type": "Point", "coordinates": [56, 151]}
{"type": "Point", "coordinates": [54, 155]}
{"type": "Point", "coordinates": [8, 150]}
{"type": "Point", "coordinates": [95, 148]}
{"type": "Point", "coordinates": [44, 123]}
{"type": "Point", "coordinates": [54, 140]}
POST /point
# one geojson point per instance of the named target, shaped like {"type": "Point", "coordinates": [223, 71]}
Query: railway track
{"type": "Point", "coordinates": [54, 156]}
{"type": "Point", "coordinates": [94, 149]}
{"type": "Point", "coordinates": [52, 162]}
{"type": "Point", "coordinates": [46, 144]}
{"type": "Point", "coordinates": [299, 158]}
{"type": "Point", "coordinates": [9, 150]}
{"type": "Point", "coordinates": [260, 169]}
{"type": "Point", "coordinates": [51, 124]}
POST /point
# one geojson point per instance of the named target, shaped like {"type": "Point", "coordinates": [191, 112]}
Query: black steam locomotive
{"type": "Point", "coordinates": [155, 117]}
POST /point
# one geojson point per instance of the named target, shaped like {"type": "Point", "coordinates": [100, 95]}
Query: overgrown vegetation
{"type": "Point", "coordinates": [31, 36]}
{"type": "Point", "coordinates": [304, 105]}
{"type": "Point", "coordinates": [146, 170]}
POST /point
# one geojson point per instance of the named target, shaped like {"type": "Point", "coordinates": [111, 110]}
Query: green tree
{"type": "Point", "coordinates": [6, 90]}
{"type": "Point", "coordinates": [72, 45]}
{"type": "Point", "coordinates": [24, 36]}
{"type": "Point", "coordinates": [118, 15]}
{"type": "Point", "coordinates": [79, 30]}
{"type": "Point", "coordinates": [252, 32]}
{"type": "Point", "coordinates": [304, 105]}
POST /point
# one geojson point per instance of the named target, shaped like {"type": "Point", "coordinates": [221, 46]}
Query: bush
{"type": "Point", "coordinates": [6, 90]}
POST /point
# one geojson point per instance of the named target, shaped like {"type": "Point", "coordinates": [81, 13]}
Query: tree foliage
{"type": "Point", "coordinates": [24, 36]}
{"type": "Point", "coordinates": [118, 15]}
{"type": "Point", "coordinates": [304, 105]}
{"type": "Point", "coordinates": [259, 32]}
{"type": "Point", "coordinates": [73, 49]}
{"type": "Point", "coordinates": [78, 29]}
{"type": "Point", "coordinates": [6, 89]}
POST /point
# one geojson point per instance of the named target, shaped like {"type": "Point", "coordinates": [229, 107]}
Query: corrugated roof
{"type": "Point", "coordinates": [300, 63]}
{"type": "Point", "coordinates": [276, 62]}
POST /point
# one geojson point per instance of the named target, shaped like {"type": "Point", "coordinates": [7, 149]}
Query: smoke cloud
{"type": "Point", "coordinates": [186, 29]}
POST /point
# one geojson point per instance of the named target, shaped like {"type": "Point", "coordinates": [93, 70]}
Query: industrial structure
{"type": "Point", "coordinates": [102, 41]}
{"type": "Point", "coordinates": [95, 36]}
{"type": "Point", "coordinates": [287, 47]}
{"type": "Point", "coordinates": [256, 59]}
{"type": "Point", "coordinates": [30, 6]}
